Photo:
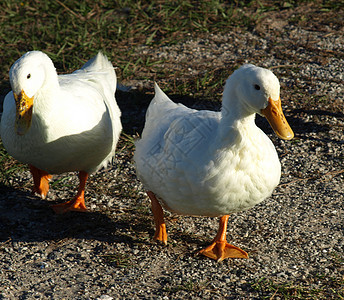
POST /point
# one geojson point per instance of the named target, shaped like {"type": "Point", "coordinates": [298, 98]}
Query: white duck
{"type": "Point", "coordinates": [209, 163]}
{"type": "Point", "coordinates": [61, 123]}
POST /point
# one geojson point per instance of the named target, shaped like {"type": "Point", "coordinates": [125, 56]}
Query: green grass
{"type": "Point", "coordinates": [331, 288]}
{"type": "Point", "coordinates": [64, 28]}
{"type": "Point", "coordinates": [119, 260]}
{"type": "Point", "coordinates": [70, 32]}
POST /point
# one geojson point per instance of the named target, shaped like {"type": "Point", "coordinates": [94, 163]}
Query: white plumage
{"type": "Point", "coordinates": [74, 123]}
{"type": "Point", "coordinates": [212, 163]}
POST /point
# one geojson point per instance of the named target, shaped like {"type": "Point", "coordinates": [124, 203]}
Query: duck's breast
{"type": "Point", "coordinates": [244, 175]}
{"type": "Point", "coordinates": [192, 175]}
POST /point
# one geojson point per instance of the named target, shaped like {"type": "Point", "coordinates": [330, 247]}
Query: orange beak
{"type": "Point", "coordinates": [274, 114]}
{"type": "Point", "coordinates": [24, 106]}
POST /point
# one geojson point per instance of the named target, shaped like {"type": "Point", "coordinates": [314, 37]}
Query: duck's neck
{"type": "Point", "coordinates": [48, 93]}
{"type": "Point", "coordinates": [45, 110]}
{"type": "Point", "coordinates": [236, 117]}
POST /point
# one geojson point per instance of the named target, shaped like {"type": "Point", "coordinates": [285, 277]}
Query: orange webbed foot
{"type": "Point", "coordinates": [78, 203]}
{"type": "Point", "coordinates": [72, 205]}
{"type": "Point", "coordinates": [221, 250]}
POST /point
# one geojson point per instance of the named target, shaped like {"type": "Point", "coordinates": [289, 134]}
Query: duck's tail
{"type": "Point", "coordinates": [97, 63]}
{"type": "Point", "coordinates": [99, 69]}
{"type": "Point", "coordinates": [159, 105]}
{"type": "Point", "coordinates": [160, 96]}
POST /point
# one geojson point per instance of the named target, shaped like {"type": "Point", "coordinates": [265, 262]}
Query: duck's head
{"type": "Point", "coordinates": [27, 76]}
{"type": "Point", "coordinates": [257, 90]}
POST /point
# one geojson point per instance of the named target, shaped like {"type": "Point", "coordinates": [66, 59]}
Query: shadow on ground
{"type": "Point", "coordinates": [134, 105]}
{"type": "Point", "coordinates": [24, 217]}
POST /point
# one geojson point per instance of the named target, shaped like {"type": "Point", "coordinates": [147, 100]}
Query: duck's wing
{"type": "Point", "coordinates": [95, 85]}
{"type": "Point", "coordinates": [174, 140]}
{"type": "Point", "coordinates": [102, 73]}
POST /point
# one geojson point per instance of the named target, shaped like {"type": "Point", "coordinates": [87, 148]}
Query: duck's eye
{"type": "Point", "coordinates": [257, 87]}
{"type": "Point", "coordinates": [28, 76]}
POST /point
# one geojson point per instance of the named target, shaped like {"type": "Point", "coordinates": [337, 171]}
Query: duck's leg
{"type": "Point", "coordinates": [78, 202]}
{"type": "Point", "coordinates": [40, 181]}
{"type": "Point", "coordinates": [160, 226]}
{"type": "Point", "coordinates": [220, 249]}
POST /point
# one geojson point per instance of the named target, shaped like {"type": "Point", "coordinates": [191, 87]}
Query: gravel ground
{"type": "Point", "coordinates": [294, 238]}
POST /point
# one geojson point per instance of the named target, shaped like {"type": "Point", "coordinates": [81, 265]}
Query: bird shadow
{"type": "Point", "coordinates": [28, 218]}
